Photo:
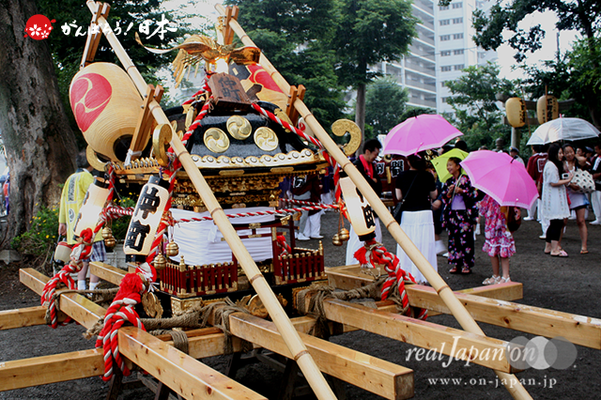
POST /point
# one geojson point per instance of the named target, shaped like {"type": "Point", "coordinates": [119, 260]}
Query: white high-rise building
{"type": "Point", "coordinates": [454, 45]}
{"type": "Point", "coordinates": [444, 47]}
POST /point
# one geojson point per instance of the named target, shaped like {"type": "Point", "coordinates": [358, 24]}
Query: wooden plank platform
{"type": "Point", "coordinates": [78, 307]}
{"type": "Point", "coordinates": [50, 369]}
{"type": "Point", "coordinates": [381, 377]}
{"type": "Point", "coordinates": [577, 329]}
{"type": "Point", "coordinates": [183, 374]}
{"type": "Point", "coordinates": [448, 341]}
{"type": "Point", "coordinates": [20, 318]}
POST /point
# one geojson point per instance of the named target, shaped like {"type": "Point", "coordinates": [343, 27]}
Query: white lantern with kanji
{"type": "Point", "coordinates": [145, 219]}
{"type": "Point", "coordinates": [360, 213]}
{"type": "Point", "coordinates": [93, 203]}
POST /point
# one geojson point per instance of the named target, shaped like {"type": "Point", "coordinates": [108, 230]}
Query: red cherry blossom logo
{"type": "Point", "coordinates": [38, 27]}
{"type": "Point", "coordinates": [89, 95]}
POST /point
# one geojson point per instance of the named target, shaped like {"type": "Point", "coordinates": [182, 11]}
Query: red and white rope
{"type": "Point", "coordinates": [373, 253]}
{"type": "Point", "coordinates": [121, 311]}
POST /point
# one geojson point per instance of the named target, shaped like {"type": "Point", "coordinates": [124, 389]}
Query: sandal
{"type": "Point", "coordinates": [583, 251]}
{"type": "Point", "coordinates": [453, 270]}
{"type": "Point", "coordinates": [466, 270]}
{"type": "Point", "coordinates": [493, 280]}
{"type": "Point", "coordinates": [504, 280]}
{"type": "Point", "coordinates": [561, 253]}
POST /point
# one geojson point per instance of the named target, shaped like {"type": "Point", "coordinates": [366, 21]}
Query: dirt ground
{"type": "Point", "coordinates": [565, 284]}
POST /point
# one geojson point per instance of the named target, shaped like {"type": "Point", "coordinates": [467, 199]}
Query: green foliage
{"type": "Point", "coordinates": [384, 105]}
{"type": "Point", "coordinates": [40, 240]}
{"type": "Point", "coordinates": [583, 15]}
{"type": "Point", "coordinates": [368, 32]}
{"type": "Point", "coordinates": [474, 102]}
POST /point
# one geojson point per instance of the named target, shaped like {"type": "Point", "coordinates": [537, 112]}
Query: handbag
{"type": "Point", "coordinates": [584, 180]}
{"type": "Point", "coordinates": [398, 210]}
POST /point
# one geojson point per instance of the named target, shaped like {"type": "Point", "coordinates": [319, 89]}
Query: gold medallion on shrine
{"type": "Point", "coordinates": [239, 127]}
{"type": "Point", "coordinates": [266, 139]}
{"type": "Point", "coordinates": [216, 140]}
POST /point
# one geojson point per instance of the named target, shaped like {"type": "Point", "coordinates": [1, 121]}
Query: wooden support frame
{"type": "Point", "coordinates": [294, 94]}
{"type": "Point", "coordinates": [93, 39]}
{"type": "Point", "coordinates": [50, 369]}
{"type": "Point", "coordinates": [231, 12]}
{"type": "Point", "coordinates": [442, 339]}
{"type": "Point", "coordinates": [145, 121]}
{"type": "Point", "coordinates": [183, 374]}
{"type": "Point", "coordinates": [381, 377]}
{"type": "Point", "coordinates": [577, 329]}
{"type": "Point", "coordinates": [20, 318]}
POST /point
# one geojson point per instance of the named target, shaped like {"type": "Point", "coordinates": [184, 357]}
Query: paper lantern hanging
{"type": "Point", "coordinates": [93, 204]}
{"type": "Point", "coordinates": [360, 212]}
{"type": "Point", "coordinates": [106, 106]}
{"type": "Point", "coordinates": [516, 112]}
{"type": "Point", "coordinates": [547, 108]}
{"type": "Point", "coordinates": [145, 219]}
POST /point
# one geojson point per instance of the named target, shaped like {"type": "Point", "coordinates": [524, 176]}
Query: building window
{"type": "Point", "coordinates": [445, 21]}
{"type": "Point", "coordinates": [459, 67]}
{"type": "Point", "coordinates": [458, 36]}
{"type": "Point", "coordinates": [443, 8]}
{"type": "Point", "coordinates": [445, 53]}
{"type": "Point", "coordinates": [445, 37]}
{"type": "Point", "coordinates": [458, 20]}
{"type": "Point", "coordinates": [446, 68]}
{"type": "Point", "coordinates": [458, 52]}
{"type": "Point", "coordinates": [444, 99]}
{"type": "Point", "coordinates": [457, 5]}
{"type": "Point", "coordinates": [443, 83]}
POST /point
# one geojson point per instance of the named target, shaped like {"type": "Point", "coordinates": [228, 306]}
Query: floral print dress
{"type": "Point", "coordinates": [498, 240]}
{"type": "Point", "coordinates": [460, 222]}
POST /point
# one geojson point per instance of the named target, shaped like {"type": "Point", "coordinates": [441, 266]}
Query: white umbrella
{"type": "Point", "coordinates": [569, 129]}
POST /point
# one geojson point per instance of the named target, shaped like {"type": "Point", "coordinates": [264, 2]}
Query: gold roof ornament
{"type": "Point", "coordinates": [200, 47]}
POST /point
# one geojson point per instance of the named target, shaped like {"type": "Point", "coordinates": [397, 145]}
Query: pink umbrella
{"type": "Point", "coordinates": [423, 132]}
{"type": "Point", "coordinates": [497, 175]}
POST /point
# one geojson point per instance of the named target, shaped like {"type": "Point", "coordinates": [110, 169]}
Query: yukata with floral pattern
{"type": "Point", "coordinates": [498, 240]}
{"type": "Point", "coordinates": [459, 219]}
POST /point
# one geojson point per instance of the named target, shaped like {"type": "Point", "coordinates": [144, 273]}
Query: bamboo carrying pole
{"type": "Point", "coordinates": [444, 291]}
{"type": "Point", "coordinates": [293, 341]}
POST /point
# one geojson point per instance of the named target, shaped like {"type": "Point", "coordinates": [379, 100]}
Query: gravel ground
{"type": "Point", "coordinates": [569, 284]}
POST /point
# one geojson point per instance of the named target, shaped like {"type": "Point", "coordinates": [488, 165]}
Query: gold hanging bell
{"type": "Point", "coordinates": [336, 240]}
{"type": "Point", "coordinates": [109, 239]}
{"type": "Point", "coordinates": [160, 262]}
{"type": "Point", "coordinates": [343, 234]}
{"type": "Point", "coordinates": [107, 232]}
{"type": "Point", "coordinates": [172, 249]}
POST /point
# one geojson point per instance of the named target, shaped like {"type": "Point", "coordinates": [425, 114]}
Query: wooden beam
{"type": "Point", "coordinates": [50, 369]}
{"type": "Point", "coordinates": [107, 272]}
{"type": "Point", "coordinates": [386, 379]}
{"type": "Point", "coordinates": [577, 329]}
{"type": "Point", "coordinates": [448, 341]}
{"type": "Point", "coordinates": [78, 307]}
{"type": "Point", "coordinates": [23, 317]}
{"type": "Point", "coordinates": [183, 374]}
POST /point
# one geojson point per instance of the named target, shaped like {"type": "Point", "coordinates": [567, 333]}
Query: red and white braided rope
{"type": "Point", "coordinates": [121, 311]}
{"type": "Point", "coordinates": [373, 253]}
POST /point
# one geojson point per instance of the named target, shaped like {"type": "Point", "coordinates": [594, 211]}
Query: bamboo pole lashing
{"type": "Point", "coordinates": [293, 341]}
{"type": "Point", "coordinates": [459, 312]}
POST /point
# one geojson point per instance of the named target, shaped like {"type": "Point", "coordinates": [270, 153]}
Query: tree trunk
{"type": "Point", "coordinates": [360, 112]}
{"type": "Point", "coordinates": [40, 144]}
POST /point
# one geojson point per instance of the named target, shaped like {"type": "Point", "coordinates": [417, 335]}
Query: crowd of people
{"type": "Point", "coordinates": [426, 206]}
